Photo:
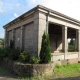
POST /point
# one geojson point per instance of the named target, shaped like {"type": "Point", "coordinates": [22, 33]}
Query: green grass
{"type": "Point", "coordinates": [70, 70]}
{"type": "Point", "coordinates": [71, 47]}
{"type": "Point", "coordinates": [66, 72]}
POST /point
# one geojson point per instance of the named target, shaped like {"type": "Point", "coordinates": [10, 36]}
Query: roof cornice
{"type": "Point", "coordinates": [58, 13]}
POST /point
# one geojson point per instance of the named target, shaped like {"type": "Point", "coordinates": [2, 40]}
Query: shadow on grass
{"type": "Point", "coordinates": [6, 73]}
{"type": "Point", "coordinates": [68, 78]}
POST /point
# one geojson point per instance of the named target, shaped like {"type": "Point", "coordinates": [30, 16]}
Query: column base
{"type": "Point", "coordinates": [56, 51]}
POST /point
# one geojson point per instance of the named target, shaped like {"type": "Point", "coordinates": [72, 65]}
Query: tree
{"type": "Point", "coordinates": [71, 42]}
{"type": "Point", "coordinates": [45, 53]}
{"type": "Point", "coordinates": [2, 40]}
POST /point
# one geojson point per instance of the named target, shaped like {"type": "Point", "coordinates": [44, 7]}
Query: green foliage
{"type": "Point", "coordinates": [24, 56]}
{"type": "Point", "coordinates": [7, 50]}
{"type": "Point", "coordinates": [2, 40]}
{"type": "Point", "coordinates": [34, 60]}
{"type": "Point", "coordinates": [45, 53]}
{"type": "Point", "coordinates": [10, 53]}
{"type": "Point", "coordinates": [70, 47]}
{"type": "Point", "coordinates": [4, 52]}
{"type": "Point", "coordinates": [71, 42]}
{"type": "Point", "coordinates": [14, 54]}
{"type": "Point", "coordinates": [67, 70]}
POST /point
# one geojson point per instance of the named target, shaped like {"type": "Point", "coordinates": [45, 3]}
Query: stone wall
{"type": "Point", "coordinates": [28, 37]}
{"type": "Point", "coordinates": [64, 56]}
{"type": "Point", "coordinates": [67, 61]}
{"type": "Point", "coordinates": [17, 38]}
{"type": "Point", "coordinates": [35, 70]}
{"type": "Point", "coordinates": [55, 42]}
{"type": "Point", "coordinates": [10, 37]}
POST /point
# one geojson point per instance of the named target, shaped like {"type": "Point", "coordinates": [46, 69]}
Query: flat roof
{"type": "Point", "coordinates": [44, 8]}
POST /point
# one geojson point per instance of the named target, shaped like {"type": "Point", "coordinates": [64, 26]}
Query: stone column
{"type": "Point", "coordinates": [79, 42]}
{"type": "Point", "coordinates": [64, 39]}
{"type": "Point", "coordinates": [6, 38]}
{"type": "Point", "coordinates": [35, 38]}
{"type": "Point", "coordinates": [39, 28]}
{"type": "Point", "coordinates": [76, 41]}
{"type": "Point", "coordinates": [22, 38]}
{"type": "Point", "coordinates": [47, 22]}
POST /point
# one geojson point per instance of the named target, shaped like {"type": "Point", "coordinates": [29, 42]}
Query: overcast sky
{"type": "Point", "coordinates": [11, 9]}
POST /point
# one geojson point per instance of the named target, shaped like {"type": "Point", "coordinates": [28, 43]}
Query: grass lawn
{"type": "Point", "coordinates": [66, 72]}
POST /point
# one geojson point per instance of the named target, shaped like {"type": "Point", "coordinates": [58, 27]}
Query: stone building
{"type": "Point", "coordinates": [27, 30]}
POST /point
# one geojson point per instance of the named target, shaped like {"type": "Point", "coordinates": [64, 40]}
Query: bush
{"type": "Point", "coordinates": [1, 53]}
{"type": "Point", "coordinates": [14, 54]}
{"type": "Point", "coordinates": [7, 51]}
{"type": "Point", "coordinates": [34, 60]}
{"type": "Point", "coordinates": [71, 47]}
{"type": "Point", "coordinates": [24, 56]}
{"type": "Point", "coordinates": [4, 52]}
{"type": "Point", "coordinates": [45, 53]}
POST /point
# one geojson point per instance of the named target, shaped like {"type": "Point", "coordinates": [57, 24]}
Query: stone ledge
{"type": "Point", "coordinates": [35, 70]}
{"type": "Point", "coordinates": [67, 61]}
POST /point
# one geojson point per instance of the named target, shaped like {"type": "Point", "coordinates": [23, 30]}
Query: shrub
{"type": "Point", "coordinates": [14, 54]}
{"type": "Point", "coordinates": [1, 53]}
{"type": "Point", "coordinates": [71, 47]}
{"type": "Point", "coordinates": [4, 52]}
{"type": "Point", "coordinates": [7, 50]}
{"type": "Point", "coordinates": [24, 56]}
{"type": "Point", "coordinates": [45, 53]}
{"type": "Point", "coordinates": [71, 42]}
{"type": "Point", "coordinates": [34, 60]}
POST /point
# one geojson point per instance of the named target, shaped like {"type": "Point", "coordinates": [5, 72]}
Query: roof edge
{"type": "Point", "coordinates": [58, 13]}
{"type": "Point", "coordinates": [21, 15]}
{"type": "Point", "coordinates": [44, 8]}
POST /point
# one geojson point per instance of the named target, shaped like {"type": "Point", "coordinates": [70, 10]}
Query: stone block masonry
{"type": "Point", "coordinates": [35, 70]}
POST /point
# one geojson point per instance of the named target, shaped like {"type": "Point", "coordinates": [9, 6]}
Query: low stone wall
{"type": "Point", "coordinates": [21, 69]}
{"type": "Point", "coordinates": [36, 70]}
{"type": "Point", "coordinates": [67, 61]}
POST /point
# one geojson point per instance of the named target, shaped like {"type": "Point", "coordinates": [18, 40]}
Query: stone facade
{"type": "Point", "coordinates": [27, 31]}
{"type": "Point", "coordinates": [55, 40]}
{"type": "Point", "coordinates": [28, 37]}
{"type": "Point", "coordinates": [17, 38]}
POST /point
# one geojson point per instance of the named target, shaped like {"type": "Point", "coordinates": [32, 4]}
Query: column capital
{"type": "Point", "coordinates": [64, 28]}
{"type": "Point", "coordinates": [13, 30]}
{"type": "Point", "coordinates": [22, 27]}
{"type": "Point", "coordinates": [79, 31]}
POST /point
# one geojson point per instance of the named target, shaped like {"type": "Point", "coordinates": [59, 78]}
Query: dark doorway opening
{"type": "Point", "coordinates": [55, 34]}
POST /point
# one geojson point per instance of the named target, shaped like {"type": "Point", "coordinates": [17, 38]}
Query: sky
{"type": "Point", "coordinates": [11, 9]}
